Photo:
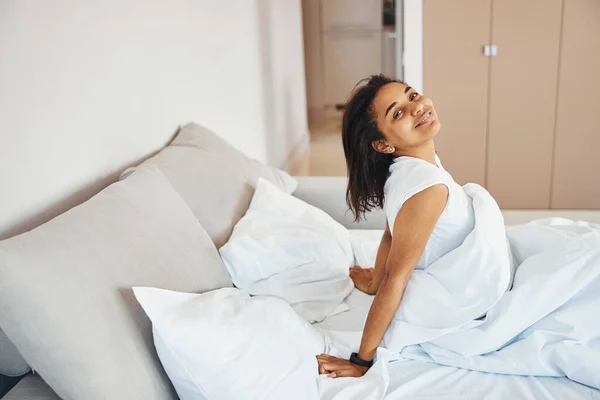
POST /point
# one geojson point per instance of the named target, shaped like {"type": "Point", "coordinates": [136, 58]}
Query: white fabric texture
{"type": "Point", "coordinates": [426, 381]}
{"type": "Point", "coordinates": [365, 244]}
{"type": "Point", "coordinates": [287, 248]}
{"type": "Point", "coordinates": [408, 379]}
{"type": "Point", "coordinates": [460, 287]}
{"type": "Point", "coordinates": [227, 345]}
{"type": "Point", "coordinates": [546, 325]}
{"type": "Point", "coordinates": [409, 176]}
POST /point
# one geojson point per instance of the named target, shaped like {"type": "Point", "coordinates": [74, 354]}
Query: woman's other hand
{"type": "Point", "coordinates": [362, 278]}
{"type": "Point", "coordinates": [337, 368]}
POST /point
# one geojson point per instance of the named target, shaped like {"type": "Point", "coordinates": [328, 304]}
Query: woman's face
{"type": "Point", "coordinates": [406, 118]}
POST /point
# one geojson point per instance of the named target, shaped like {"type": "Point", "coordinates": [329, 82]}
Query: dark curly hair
{"type": "Point", "coordinates": [367, 168]}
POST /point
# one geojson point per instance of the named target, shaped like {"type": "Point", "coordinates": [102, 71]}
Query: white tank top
{"type": "Point", "coordinates": [409, 176]}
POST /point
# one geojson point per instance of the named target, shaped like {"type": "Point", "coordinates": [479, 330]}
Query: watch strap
{"type": "Point", "coordinates": [354, 359]}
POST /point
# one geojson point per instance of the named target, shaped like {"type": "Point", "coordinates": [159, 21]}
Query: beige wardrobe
{"type": "Point", "coordinates": [517, 88]}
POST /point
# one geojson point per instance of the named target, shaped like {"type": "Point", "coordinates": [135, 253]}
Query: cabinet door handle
{"type": "Point", "coordinates": [490, 50]}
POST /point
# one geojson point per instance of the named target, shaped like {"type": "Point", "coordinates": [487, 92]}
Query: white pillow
{"type": "Point", "coordinates": [287, 248]}
{"type": "Point", "coordinates": [365, 245]}
{"type": "Point", "coordinates": [225, 344]}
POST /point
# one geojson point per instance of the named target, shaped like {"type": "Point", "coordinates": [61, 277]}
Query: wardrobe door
{"type": "Point", "coordinates": [576, 180]}
{"type": "Point", "coordinates": [455, 77]}
{"type": "Point", "coordinates": [349, 57]}
{"type": "Point", "coordinates": [352, 15]}
{"type": "Point", "coordinates": [523, 84]}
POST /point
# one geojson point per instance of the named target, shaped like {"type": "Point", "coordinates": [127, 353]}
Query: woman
{"type": "Point", "coordinates": [388, 134]}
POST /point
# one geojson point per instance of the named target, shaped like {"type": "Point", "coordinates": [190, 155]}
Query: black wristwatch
{"type": "Point", "coordinates": [354, 359]}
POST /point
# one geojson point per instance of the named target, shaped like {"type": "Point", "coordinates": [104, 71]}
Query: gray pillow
{"type": "Point", "coordinates": [11, 362]}
{"type": "Point", "coordinates": [65, 288]}
{"type": "Point", "coordinates": [216, 180]}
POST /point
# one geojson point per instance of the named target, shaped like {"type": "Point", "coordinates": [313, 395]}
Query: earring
{"type": "Point", "coordinates": [391, 149]}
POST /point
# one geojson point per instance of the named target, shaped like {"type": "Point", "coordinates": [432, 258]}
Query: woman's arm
{"type": "Point", "coordinates": [368, 280]}
{"type": "Point", "coordinates": [381, 260]}
{"type": "Point", "coordinates": [412, 228]}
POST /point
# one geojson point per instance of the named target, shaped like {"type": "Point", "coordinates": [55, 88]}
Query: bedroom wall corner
{"type": "Point", "coordinates": [283, 73]}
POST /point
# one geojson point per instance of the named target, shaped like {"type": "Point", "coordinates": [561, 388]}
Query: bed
{"type": "Point", "coordinates": [420, 380]}
{"type": "Point", "coordinates": [408, 379]}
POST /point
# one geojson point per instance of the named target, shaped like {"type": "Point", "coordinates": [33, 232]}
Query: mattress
{"type": "Point", "coordinates": [419, 380]}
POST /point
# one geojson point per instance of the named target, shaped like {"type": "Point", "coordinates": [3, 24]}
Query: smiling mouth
{"type": "Point", "coordinates": [427, 117]}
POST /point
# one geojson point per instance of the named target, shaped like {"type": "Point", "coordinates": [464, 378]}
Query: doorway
{"type": "Point", "coordinates": [344, 41]}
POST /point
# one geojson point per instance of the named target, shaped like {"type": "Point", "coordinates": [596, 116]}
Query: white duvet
{"type": "Point", "coordinates": [477, 309]}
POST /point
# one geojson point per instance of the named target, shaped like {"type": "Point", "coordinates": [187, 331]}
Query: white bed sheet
{"type": "Point", "coordinates": [417, 380]}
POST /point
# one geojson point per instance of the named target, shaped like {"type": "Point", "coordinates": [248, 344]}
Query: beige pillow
{"type": "Point", "coordinates": [216, 180]}
{"type": "Point", "coordinates": [65, 287]}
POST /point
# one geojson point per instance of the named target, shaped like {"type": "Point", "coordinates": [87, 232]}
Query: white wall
{"type": "Point", "coordinates": [312, 49]}
{"type": "Point", "coordinates": [413, 43]}
{"type": "Point", "coordinates": [284, 78]}
{"type": "Point", "coordinates": [399, 40]}
{"type": "Point", "coordinates": [90, 87]}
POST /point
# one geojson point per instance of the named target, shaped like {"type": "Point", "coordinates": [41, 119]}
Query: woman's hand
{"type": "Point", "coordinates": [362, 278]}
{"type": "Point", "coordinates": [338, 368]}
